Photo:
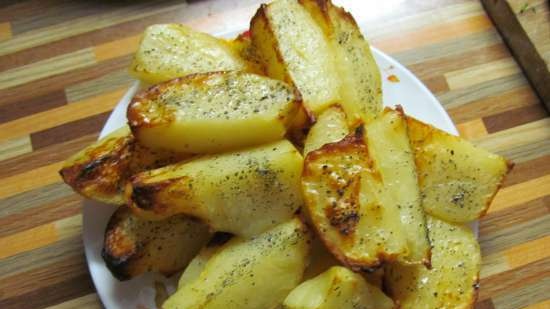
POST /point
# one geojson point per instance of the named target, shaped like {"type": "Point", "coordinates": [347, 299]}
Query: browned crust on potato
{"type": "Point", "coordinates": [130, 243]}
{"type": "Point", "coordinates": [353, 142]}
{"type": "Point", "coordinates": [261, 16]}
{"type": "Point", "coordinates": [326, 5]}
{"type": "Point", "coordinates": [345, 219]}
{"type": "Point", "coordinates": [346, 16]}
{"type": "Point", "coordinates": [144, 197]}
{"type": "Point", "coordinates": [104, 173]}
{"type": "Point", "coordinates": [118, 248]}
{"type": "Point", "coordinates": [108, 166]}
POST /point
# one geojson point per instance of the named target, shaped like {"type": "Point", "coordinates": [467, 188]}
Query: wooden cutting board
{"type": "Point", "coordinates": [525, 27]}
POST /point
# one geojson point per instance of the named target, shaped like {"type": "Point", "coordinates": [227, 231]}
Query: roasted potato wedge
{"type": "Point", "coordinates": [292, 47]}
{"type": "Point", "coordinates": [213, 112]}
{"type": "Point", "coordinates": [347, 203]}
{"type": "Point", "coordinates": [248, 273]}
{"type": "Point", "coordinates": [319, 48]}
{"type": "Point", "coordinates": [134, 246]}
{"type": "Point", "coordinates": [169, 51]}
{"type": "Point", "coordinates": [361, 84]}
{"type": "Point", "coordinates": [452, 281]}
{"type": "Point", "coordinates": [98, 172]}
{"type": "Point", "coordinates": [355, 189]}
{"type": "Point", "coordinates": [331, 126]}
{"type": "Point", "coordinates": [101, 170]}
{"type": "Point", "coordinates": [457, 180]}
{"type": "Point", "coordinates": [389, 147]}
{"type": "Point", "coordinates": [339, 288]}
{"type": "Point", "coordinates": [244, 192]}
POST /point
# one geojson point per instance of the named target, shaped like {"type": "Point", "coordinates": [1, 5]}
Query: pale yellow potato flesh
{"type": "Point", "coordinates": [361, 84]}
{"type": "Point", "coordinates": [100, 171]}
{"type": "Point", "coordinates": [134, 246]}
{"type": "Point", "coordinates": [458, 180]}
{"type": "Point", "coordinates": [348, 206]}
{"type": "Point", "coordinates": [248, 273]}
{"type": "Point", "coordinates": [197, 265]}
{"type": "Point", "coordinates": [452, 281]}
{"type": "Point", "coordinates": [339, 288]}
{"type": "Point", "coordinates": [243, 192]}
{"type": "Point", "coordinates": [292, 47]}
{"type": "Point", "coordinates": [331, 126]}
{"type": "Point", "coordinates": [389, 147]}
{"type": "Point", "coordinates": [168, 51]}
{"type": "Point", "coordinates": [213, 112]}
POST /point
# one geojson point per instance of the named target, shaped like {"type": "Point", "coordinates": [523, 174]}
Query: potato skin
{"type": "Point", "coordinates": [355, 189]}
{"type": "Point", "coordinates": [133, 246]}
{"type": "Point", "coordinates": [98, 171]}
{"type": "Point", "coordinates": [101, 170]}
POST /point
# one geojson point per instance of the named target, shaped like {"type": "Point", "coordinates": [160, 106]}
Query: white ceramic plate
{"type": "Point", "coordinates": [139, 293]}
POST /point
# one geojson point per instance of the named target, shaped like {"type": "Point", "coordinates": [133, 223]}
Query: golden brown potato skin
{"type": "Point", "coordinates": [133, 246]}
{"type": "Point", "coordinates": [350, 229]}
{"type": "Point", "coordinates": [98, 171]}
{"type": "Point", "coordinates": [101, 170]}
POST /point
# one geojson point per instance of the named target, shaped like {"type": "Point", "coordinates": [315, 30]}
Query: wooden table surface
{"type": "Point", "coordinates": [63, 69]}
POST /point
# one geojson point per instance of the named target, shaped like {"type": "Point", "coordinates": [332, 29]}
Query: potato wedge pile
{"type": "Point", "coordinates": [266, 170]}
